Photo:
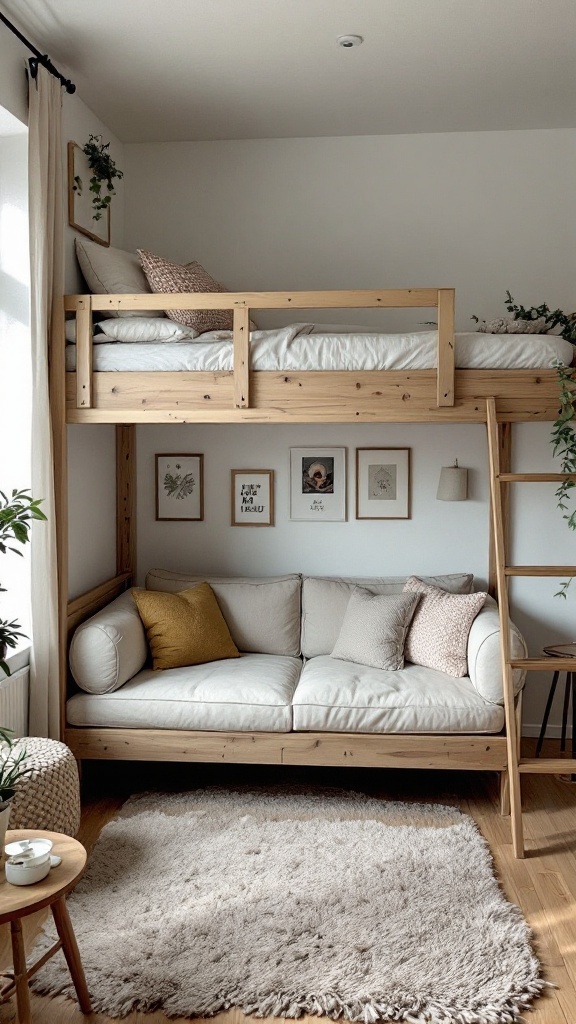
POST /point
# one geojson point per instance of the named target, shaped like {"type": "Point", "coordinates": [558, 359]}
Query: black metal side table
{"type": "Point", "coordinates": [561, 651]}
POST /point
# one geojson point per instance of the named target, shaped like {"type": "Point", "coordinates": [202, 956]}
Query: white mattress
{"type": "Point", "coordinates": [294, 348]}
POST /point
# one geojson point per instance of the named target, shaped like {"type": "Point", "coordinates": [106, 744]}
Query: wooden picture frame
{"type": "Point", "coordinates": [318, 484]}
{"type": "Point", "coordinates": [179, 487]}
{"type": "Point", "coordinates": [252, 497]}
{"type": "Point", "coordinates": [382, 483]}
{"type": "Point", "coordinates": [80, 209]}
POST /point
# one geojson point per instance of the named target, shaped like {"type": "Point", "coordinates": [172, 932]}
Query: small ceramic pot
{"type": "Point", "coordinates": [28, 861]}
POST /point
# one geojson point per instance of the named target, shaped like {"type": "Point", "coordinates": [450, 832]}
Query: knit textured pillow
{"type": "Point", "coordinates": [187, 628]}
{"type": "Point", "coordinates": [374, 629]}
{"type": "Point", "coordinates": [438, 634]}
{"type": "Point", "coordinates": [165, 276]}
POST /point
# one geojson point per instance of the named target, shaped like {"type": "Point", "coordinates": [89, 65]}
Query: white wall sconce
{"type": "Point", "coordinates": [453, 483]}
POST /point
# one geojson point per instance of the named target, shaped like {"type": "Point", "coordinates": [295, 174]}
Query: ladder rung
{"type": "Point", "coordinates": [540, 570]}
{"type": "Point", "coordinates": [550, 664]}
{"type": "Point", "coordinates": [535, 478]}
{"type": "Point", "coordinates": [548, 765]}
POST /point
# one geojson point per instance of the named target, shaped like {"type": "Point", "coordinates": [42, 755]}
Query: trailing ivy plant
{"type": "Point", "coordinates": [104, 171]}
{"type": "Point", "coordinates": [563, 440]}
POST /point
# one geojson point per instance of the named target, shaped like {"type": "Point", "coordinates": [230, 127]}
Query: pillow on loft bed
{"type": "Point", "coordinates": [166, 277]}
{"type": "Point", "coordinates": [109, 271]}
{"type": "Point", "coordinates": [135, 330]}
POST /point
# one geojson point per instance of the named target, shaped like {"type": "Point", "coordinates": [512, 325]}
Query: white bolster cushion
{"type": "Point", "coordinates": [484, 667]}
{"type": "Point", "coordinates": [109, 648]}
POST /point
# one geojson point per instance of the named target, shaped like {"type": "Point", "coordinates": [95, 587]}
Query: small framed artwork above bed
{"type": "Point", "coordinates": [179, 487]}
{"type": "Point", "coordinates": [81, 211]}
{"type": "Point", "coordinates": [382, 483]}
{"type": "Point", "coordinates": [318, 484]}
{"type": "Point", "coordinates": [252, 497]}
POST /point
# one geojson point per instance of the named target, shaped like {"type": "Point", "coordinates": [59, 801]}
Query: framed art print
{"type": "Point", "coordinates": [80, 207]}
{"type": "Point", "coordinates": [252, 497]}
{"type": "Point", "coordinates": [318, 484]}
{"type": "Point", "coordinates": [179, 487]}
{"type": "Point", "coordinates": [382, 483]}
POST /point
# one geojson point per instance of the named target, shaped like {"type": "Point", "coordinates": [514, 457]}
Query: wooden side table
{"type": "Point", "coordinates": [18, 901]}
{"type": "Point", "coordinates": [561, 651]}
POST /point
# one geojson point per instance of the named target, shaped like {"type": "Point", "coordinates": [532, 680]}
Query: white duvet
{"type": "Point", "coordinates": [297, 348]}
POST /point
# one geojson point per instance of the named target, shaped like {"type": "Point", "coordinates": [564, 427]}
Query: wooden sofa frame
{"type": "Point", "coordinates": [497, 398]}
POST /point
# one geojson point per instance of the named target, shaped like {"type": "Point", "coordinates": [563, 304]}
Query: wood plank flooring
{"type": "Point", "coordinates": [543, 885]}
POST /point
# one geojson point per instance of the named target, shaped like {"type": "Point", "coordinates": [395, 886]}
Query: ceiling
{"type": "Point", "coordinates": [238, 69]}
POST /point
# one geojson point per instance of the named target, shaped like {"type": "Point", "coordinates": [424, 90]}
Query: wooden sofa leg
{"type": "Point", "coordinates": [504, 794]}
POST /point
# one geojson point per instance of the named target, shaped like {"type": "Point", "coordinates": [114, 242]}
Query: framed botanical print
{"type": "Point", "coordinates": [318, 484]}
{"type": "Point", "coordinates": [179, 486]}
{"type": "Point", "coordinates": [252, 497]}
{"type": "Point", "coordinates": [382, 483]}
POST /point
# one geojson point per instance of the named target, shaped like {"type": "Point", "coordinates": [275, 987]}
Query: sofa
{"type": "Point", "coordinates": [285, 681]}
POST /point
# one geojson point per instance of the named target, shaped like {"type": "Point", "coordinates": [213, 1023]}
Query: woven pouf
{"type": "Point", "coordinates": [48, 798]}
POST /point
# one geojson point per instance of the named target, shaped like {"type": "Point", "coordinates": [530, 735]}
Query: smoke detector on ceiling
{"type": "Point", "coordinates": [348, 41]}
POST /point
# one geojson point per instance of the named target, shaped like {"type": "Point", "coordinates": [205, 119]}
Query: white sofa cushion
{"type": "Point", "coordinates": [338, 696]}
{"type": "Point", "coordinates": [262, 613]}
{"type": "Point", "coordinates": [109, 648]}
{"type": "Point", "coordinates": [252, 693]}
{"type": "Point", "coordinates": [484, 666]}
{"type": "Point", "coordinates": [374, 629]}
{"type": "Point", "coordinates": [325, 599]}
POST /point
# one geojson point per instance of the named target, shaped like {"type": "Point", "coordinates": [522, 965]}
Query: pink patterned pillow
{"type": "Point", "coordinates": [165, 276]}
{"type": "Point", "coordinates": [438, 634]}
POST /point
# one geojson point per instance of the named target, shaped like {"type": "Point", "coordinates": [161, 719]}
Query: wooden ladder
{"type": "Point", "coordinates": [518, 765]}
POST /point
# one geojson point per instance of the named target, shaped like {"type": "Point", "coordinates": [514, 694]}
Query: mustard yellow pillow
{"type": "Point", "coordinates": [187, 628]}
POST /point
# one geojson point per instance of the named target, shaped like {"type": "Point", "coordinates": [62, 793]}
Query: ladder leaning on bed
{"type": "Point", "coordinates": [518, 765]}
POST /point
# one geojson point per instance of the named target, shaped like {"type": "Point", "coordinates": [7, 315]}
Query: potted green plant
{"type": "Point", "coordinates": [104, 171]}
{"type": "Point", "coordinates": [12, 769]}
{"type": "Point", "coordinates": [16, 515]}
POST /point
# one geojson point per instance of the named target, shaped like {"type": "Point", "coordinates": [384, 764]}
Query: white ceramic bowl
{"type": "Point", "coordinates": [28, 861]}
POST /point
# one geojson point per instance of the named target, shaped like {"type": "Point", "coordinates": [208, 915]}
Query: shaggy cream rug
{"type": "Point", "coordinates": [292, 902]}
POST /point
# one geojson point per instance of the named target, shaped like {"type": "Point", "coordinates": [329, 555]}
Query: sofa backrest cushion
{"type": "Point", "coordinates": [262, 613]}
{"type": "Point", "coordinates": [109, 648]}
{"type": "Point", "coordinates": [325, 600]}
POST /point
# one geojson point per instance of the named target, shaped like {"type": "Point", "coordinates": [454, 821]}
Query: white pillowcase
{"type": "Point", "coordinates": [134, 330]}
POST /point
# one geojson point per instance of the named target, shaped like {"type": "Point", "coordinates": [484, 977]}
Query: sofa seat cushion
{"type": "Point", "coordinates": [339, 696]}
{"type": "Point", "coordinates": [252, 693]}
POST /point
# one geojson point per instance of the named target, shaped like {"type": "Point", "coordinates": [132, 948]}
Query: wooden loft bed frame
{"type": "Point", "coordinates": [241, 395]}
{"type": "Point", "coordinates": [497, 398]}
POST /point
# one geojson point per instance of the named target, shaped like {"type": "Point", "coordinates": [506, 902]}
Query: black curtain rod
{"type": "Point", "coordinates": [39, 58]}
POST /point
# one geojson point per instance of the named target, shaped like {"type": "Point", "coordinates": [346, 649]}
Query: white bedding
{"type": "Point", "coordinates": [296, 348]}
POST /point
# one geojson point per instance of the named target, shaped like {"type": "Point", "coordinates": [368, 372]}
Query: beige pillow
{"type": "Point", "coordinates": [438, 634]}
{"type": "Point", "coordinates": [109, 271]}
{"type": "Point", "coordinates": [165, 276]}
{"type": "Point", "coordinates": [184, 629]}
{"type": "Point", "coordinates": [374, 629]}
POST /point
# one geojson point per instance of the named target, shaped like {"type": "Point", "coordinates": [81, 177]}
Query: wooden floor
{"type": "Point", "coordinates": [543, 885]}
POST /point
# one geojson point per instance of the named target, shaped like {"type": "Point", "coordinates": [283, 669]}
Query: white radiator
{"type": "Point", "coordinates": [14, 701]}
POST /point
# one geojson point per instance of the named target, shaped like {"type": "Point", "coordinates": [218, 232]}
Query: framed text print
{"type": "Point", "coordinates": [382, 483]}
{"type": "Point", "coordinates": [252, 497]}
{"type": "Point", "coordinates": [318, 484]}
{"type": "Point", "coordinates": [179, 487]}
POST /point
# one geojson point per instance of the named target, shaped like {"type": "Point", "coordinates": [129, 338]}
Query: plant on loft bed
{"type": "Point", "coordinates": [16, 515]}
{"type": "Point", "coordinates": [104, 171]}
{"type": "Point", "coordinates": [543, 320]}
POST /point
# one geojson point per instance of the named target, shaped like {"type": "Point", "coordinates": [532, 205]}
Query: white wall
{"type": "Point", "coordinates": [481, 212]}
{"type": "Point", "coordinates": [13, 87]}
{"type": "Point", "coordinates": [91, 449]}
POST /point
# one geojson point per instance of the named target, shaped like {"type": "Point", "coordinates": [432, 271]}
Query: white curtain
{"type": "Point", "coordinates": [47, 285]}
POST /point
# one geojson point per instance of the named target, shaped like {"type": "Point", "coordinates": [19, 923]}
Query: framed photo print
{"type": "Point", "coordinates": [382, 483]}
{"type": "Point", "coordinates": [252, 497]}
{"type": "Point", "coordinates": [318, 484]}
{"type": "Point", "coordinates": [179, 487]}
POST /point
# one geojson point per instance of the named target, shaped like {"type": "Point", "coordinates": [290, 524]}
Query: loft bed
{"type": "Point", "coordinates": [440, 393]}
{"type": "Point", "coordinates": [497, 396]}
